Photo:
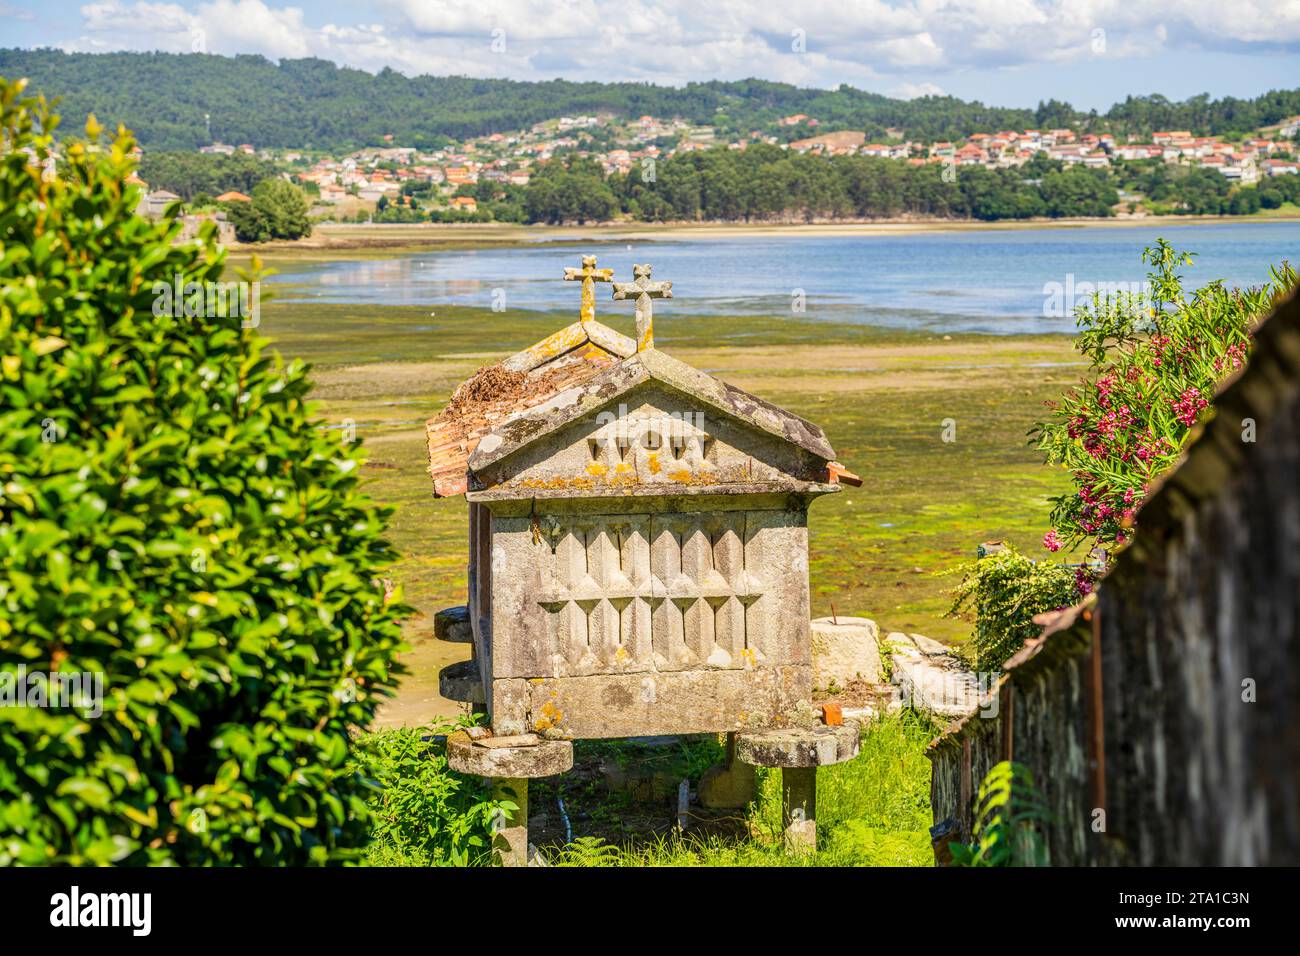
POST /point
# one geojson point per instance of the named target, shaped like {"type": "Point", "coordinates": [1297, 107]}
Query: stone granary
{"type": "Point", "coordinates": [638, 553]}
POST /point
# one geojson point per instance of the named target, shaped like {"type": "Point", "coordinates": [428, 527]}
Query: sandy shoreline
{"type": "Point", "coordinates": [394, 237]}
{"type": "Point", "coordinates": [894, 227]}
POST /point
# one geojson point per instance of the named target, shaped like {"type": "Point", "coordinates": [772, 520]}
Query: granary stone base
{"type": "Point", "coordinates": [799, 751]}
{"type": "Point", "coordinates": [643, 704]}
{"type": "Point", "coordinates": [452, 624]}
{"type": "Point", "coordinates": [817, 746]}
{"type": "Point", "coordinates": [524, 755]}
{"type": "Point", "coordinates": [461, 682]}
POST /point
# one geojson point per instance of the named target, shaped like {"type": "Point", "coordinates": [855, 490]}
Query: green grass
{"type": "Point", "coordinates": [871, 811]}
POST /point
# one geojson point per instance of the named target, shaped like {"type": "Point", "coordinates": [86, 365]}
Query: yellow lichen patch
{"type": "Point", "coordinates": [550, 716]}
{"type": "Point", "coordinates": [683, 476]}
{"type": "Point", "coordinates": [555, 484]}
{"type": "Point", "coordinates": [558, 343]}
{"type": "Point", "coordinates": [622, 468]}
{"type": "Point", "coordinates": [620, 654]}
{"type": "Point", "coordinates": [654, 464]}
{"type": "Point", "coordinates": [596, 469]}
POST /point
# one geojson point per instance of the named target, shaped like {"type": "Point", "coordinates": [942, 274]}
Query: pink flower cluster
{"type": "Point", "coordinates": [1234, 356]}
{"type": "Point", "coordinates": [1083, 582]}
{"type": "Point", "coordinates": [1189, 405]}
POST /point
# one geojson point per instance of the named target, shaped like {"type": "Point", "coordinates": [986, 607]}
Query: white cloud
{"type": "Point", "coordinates": [910, 91]}
{"type": "Point", "coordinates": [871, 43]}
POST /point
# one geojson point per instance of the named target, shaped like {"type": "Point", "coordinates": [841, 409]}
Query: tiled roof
{"type": "Point", "coordinates": [496, 392]}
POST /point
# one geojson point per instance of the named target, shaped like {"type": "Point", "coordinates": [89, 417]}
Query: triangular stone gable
{"type": "Point", "coordinates": [650, 422]}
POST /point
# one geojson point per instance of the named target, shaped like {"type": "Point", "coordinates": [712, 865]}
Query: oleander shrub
{"type": "Point", "coordinates": [1156, 358]}
{"type": "Point", "coordinates": [173, 519]}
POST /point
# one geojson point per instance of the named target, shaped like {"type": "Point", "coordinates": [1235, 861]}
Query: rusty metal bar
{"type": "Point", "coordinates": [965, 812]}
{"type": "Point", "coordinates": [1096, 733]}
{"type": "Point", "coordinates": [1006, 711]}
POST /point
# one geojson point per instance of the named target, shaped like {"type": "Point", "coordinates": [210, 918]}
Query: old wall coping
{"type": "Point", "coordinates": [1067, 634]}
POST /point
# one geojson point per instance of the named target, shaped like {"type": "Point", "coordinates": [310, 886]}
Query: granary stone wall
{"type": "Point", "coordinates": [632, 599]}
{"type": "Point", "coordinates": [1162, 722]}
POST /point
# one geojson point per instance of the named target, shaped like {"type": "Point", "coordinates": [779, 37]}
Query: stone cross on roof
{"type": "Point", "coordinates": [589, 275]}
{"type": "Point", "coordinates": [644, 291]}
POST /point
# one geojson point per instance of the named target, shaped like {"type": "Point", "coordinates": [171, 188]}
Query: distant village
{"type": "Point", "coordinates": [355, 185]}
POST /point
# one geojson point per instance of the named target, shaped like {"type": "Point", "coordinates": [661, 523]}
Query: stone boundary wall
{"type": "Point", "coordinates": [1161, 719]}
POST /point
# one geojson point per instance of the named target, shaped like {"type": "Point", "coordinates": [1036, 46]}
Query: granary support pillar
{"type": "Point", "coordinates": [798, 752]}
{"type": "Point", "coordinates": [510, 828]}
{"type": "Point", "coordinates": [729, 785]}
{"type": "Point", "coordinates": [510, 762]}
{"type": "Point", "coordinates": [799, 808]}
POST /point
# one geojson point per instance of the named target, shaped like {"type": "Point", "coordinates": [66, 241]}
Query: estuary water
{"type": "Point", "coordinates": [1001, 281]}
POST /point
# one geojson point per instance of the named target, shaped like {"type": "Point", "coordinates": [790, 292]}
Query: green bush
{"type": "Point", "coordinates": [421, 812]}
{"type": "Point", "coordinates": [1005, 590]}
{"type": "Point", "coordinates": [172, 518]}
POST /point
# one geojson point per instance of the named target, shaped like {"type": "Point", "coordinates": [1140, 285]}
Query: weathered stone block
{"type": "Point", "coordinates": [845, 649]}
{"type": "Point", "coordinates": [453, 624]}
{"type": "Point", "coordinates": [930, 678]}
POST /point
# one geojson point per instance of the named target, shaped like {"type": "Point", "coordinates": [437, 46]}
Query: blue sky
{"type": "Point", "coordinates": [1004, 52]}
